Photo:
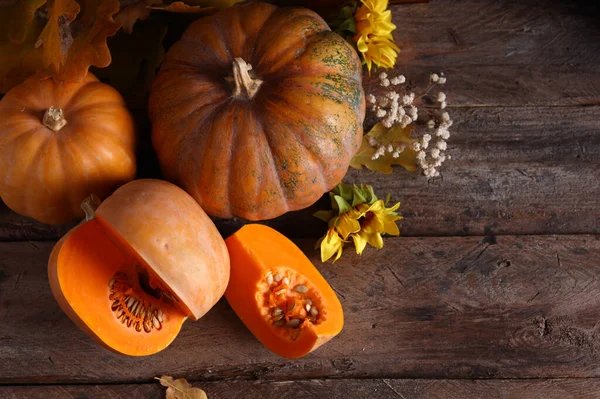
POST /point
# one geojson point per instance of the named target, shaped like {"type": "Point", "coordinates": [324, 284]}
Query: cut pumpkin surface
{"type": "Point", "coordinates": [103, 292]}
{"type": "Point", "coordinates": [131, 275]}
{"type": "Point", "coordinates": [279, 294]}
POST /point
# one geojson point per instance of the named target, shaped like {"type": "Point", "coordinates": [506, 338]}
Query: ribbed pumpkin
{"type": "Point", "coordinates": [257, 110]}
{"type": "Point", "coordinates": [61, 142]}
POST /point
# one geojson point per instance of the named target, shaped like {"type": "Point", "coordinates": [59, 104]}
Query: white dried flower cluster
{"type": "Point", "coordinates": [399, 108]}
{"type": "Point", "coordinates": [382, 149]}
{"type": "Point", "coordinates": [392, 107]}
{"type": "Point", "coordinates": [431, 161]}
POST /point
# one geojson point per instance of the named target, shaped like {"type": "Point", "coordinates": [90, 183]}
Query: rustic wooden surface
{"type": "Point", "coordinates": [492, 291]}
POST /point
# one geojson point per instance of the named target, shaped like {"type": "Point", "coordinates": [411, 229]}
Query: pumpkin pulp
{"type": "Point", "coordinates": [112, 294]}
{"type": "Point", "coordinates": [279, 294]}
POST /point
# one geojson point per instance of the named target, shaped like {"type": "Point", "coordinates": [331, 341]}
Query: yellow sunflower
{"type": "Point", "coordinates": [376, 220]}
{"type": "Point", "coordinates": [374, 34]}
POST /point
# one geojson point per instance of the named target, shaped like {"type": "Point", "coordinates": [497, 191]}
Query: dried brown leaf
{"type": "Point", "coordinates": [181, 7]}
{"type": "Point", "coordinates": [56, 39]}
{"type": "Point", "coordinates": [138, 11]}
{"type": "Point", "coordinates": [180, 389]}
{"type": "Point", "coordinates": [90, 31]}
{"type": "Point", "coordinates": [20, 27]}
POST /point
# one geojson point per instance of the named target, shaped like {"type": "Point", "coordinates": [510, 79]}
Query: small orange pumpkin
{"type": "Point", "coordinates": [146, 260]}
{"type": "Point", "coordinates": [257, 110]}
{"type": "Point", "coordinates": [279, 294]}
{"type": "Point", "coordinates": [61, 142]}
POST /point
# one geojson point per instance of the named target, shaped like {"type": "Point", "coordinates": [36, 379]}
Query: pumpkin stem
{"type": "Point", "coordinates": [54, 119]}
{"type": "Point", "coordinates": [89, 206]}
{"type": "Point", "coordinates": [245, 85]}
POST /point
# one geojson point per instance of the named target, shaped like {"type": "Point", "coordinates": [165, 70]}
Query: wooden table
{"type": "Point", "coordinates": [493, 289]}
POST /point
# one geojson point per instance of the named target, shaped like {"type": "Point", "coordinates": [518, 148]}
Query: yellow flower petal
{"type": "Point", "coordinates": [331, 244]}
{"type": "Point", "coordinates": [360, 241]}
{"type": "Point", "coordinates": [373, 36]}
{"type": "Point", "coordinates": [348, 224]}
{"type": "Point", "coordinates": [375, 240]}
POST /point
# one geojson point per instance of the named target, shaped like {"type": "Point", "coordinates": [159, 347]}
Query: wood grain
{"type": "Point", "coordinates": [513, 171]}
{"type": "Point", "coordinates": [356, 389]}
{"type": "Point", "coordinates": [498, 53]}
{"type": "Point", "coordinates": [460, 307]}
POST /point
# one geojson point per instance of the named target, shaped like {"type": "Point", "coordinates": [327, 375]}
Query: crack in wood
{"type": "Point", "coordinates": [396, 276]}
{"type": "Point", "coordinates": [535, 296]}
{"type": "Point", "coordinates": [393, 389]}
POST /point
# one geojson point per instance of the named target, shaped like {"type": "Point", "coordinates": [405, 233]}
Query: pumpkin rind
{"type": "Point", "coordinates": [45, 173]}
{"type": "Point", "coordinates": [283, 148]}
{"type": "Point", "coordinates": [255, 252]}
{"type": "Point", "coordinates": [148, 225]}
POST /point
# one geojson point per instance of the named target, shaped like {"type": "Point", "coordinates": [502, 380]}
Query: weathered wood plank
{"type": "Point", "coordinates": [563, 388]}
{"type": "Point", "coordinates": [502, 52]}
{"type": "Point", "coordinates": [460, 307]}
{"type": "Point", "coordinates": [513, 171]}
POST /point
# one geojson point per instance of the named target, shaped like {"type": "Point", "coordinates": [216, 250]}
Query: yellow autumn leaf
{"type": "Point", "coordinates": [180, 388]}
{"type": "Point", "coordinates": [395, 136]}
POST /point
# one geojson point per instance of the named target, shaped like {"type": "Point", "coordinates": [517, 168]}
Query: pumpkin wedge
{"type": "Point", "coordinates": [144, 261]}
{"type": "Point", "coordinates": [279, 294]}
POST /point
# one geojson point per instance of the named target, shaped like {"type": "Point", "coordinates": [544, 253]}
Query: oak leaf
{"type": "Point", "coordinates": [57, 38]}
{"type": "Point", "coordinates": [181, 7]}
{"type": "Point", "coordinates": [90, 32]}
{"type": "Point", "coordinates": [396, 135]}
{"type": "Point", "coordinates": [20, 26]}
{"type": "Point", "coordinates": [135, 11]}
{"type": "Point", "coordinates": [180, 389]}
{"type": "Point", "coordinates": [60, 38]}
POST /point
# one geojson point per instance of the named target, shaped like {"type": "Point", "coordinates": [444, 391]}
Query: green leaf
{"type": "Point", "coordinates": [387, 198]}
{"type": "Point", "coordinates": [358, 197]}
{"type": "Point", "coordinates": [324, 215]}
{"type": "Point", "coordinates": [342, 205]}
{"type": "Point", "coordinates": [395, 136]}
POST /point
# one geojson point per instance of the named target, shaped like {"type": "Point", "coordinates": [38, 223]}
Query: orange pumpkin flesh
{"type": "Point", "coordinates": [60, 142]}
{"type": "Point", "coordinates": [279, 294]}
{"type": "Point", "coordinates": [130, 278]}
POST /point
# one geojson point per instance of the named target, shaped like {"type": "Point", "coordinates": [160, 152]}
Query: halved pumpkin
{"type": "Point", "coordinates": [146, 260]}
{"type": "Point", "coordinates": [279, 294]}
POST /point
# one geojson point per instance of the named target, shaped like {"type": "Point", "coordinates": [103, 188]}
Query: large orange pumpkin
{"type": "Point", "coordinates": [61, 142]}
{"type": "Point", "coordinates": [257, 110]}
{"type": "Point", "coordinates": [146, 260]}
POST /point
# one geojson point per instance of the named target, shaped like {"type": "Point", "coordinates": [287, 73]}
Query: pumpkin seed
{"type": "Point", "coordinates": [295, 335]}
{"type": "Point", "coordinates": [277, 277]}
{"type": "Point", "coordinates": [294, 323]}
{"type": "Point", "coordinates": [112, 282]}
{"type": "Point", "coordinates": [314, 311]}
{"type": "Point", "coordinates": [307, 307]}
{"type": "Point", "coordinates": [301, 288]}
{"type": "Point", "coordinates": [138, 326]}
{"type": "Point", "coordinates": [270, 278]}
{"type": "Point", "coordinates": [277, 312]}
{"type": "Point", "coordinates": [281, 291]}
{"type": "Point", "coordinates": [147, 326]}
{"type": "Point", "coordinates": [292, 306]}
{"type": "Point", "coordinates": [129, 321]}
{"type": "Point", "coordinates": [156, 323]}
{"type": "Point", "coordinates": [279, 323]}
{"type": "Point", "coordinates": [285, 281]}
{"type": "Point", "coordinates": [279, 317]}
{"type": "Point", "coordinates": [159, 315]}
{"type": "Point", "coordinates": [308, 301]}
{"type": "Point", "coordinates": [130, 302]}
